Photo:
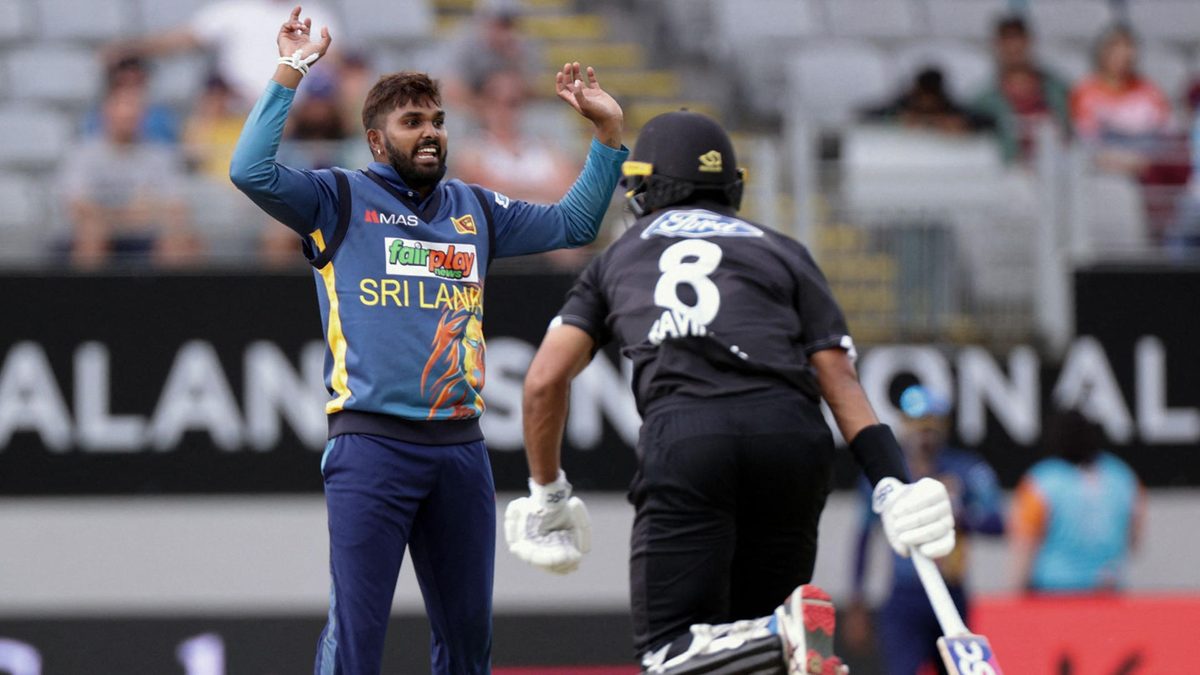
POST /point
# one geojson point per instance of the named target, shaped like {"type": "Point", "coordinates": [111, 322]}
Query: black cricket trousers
{"type": "Point", "coordinates": [728, 495]}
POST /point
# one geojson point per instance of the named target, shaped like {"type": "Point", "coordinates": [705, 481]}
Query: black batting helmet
{"type": "Point", "coordinates": [679, 156]}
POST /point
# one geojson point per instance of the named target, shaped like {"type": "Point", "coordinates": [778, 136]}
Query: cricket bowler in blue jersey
{"type": "Point", "coordinates": [400, 257]}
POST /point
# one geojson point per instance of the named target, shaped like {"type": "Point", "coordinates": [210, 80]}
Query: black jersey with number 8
{"type": "Point", "coordinates": [707, 304]}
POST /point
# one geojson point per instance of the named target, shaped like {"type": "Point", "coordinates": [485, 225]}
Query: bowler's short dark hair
{"type": "Point", "coordinates": [396, 90]}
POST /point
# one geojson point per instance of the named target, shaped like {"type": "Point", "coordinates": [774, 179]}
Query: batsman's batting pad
{"type": "Point", "coordinates": [879, 454]}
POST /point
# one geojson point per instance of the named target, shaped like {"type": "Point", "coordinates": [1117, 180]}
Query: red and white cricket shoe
{"type": "Point", "coordinates": [805, 623]}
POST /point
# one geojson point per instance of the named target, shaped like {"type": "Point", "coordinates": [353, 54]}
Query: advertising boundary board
{"type": "Point", "coordinates": [1097, 635]}
{"type": "Point", "coordinates": [178, 384]}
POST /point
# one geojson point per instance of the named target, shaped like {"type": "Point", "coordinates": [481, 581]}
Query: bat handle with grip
{"type": "Point", "coordinates": [943, 605]}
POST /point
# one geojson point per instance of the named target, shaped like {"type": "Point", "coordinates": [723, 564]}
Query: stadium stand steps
{"type": "Point", "coordinates": [597, 39]}
{"type": "Point", "coordinates": [863, 281]}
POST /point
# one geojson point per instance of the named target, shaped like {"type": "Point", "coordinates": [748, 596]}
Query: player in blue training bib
{"type": "Point", "coordinates": [400, 257]}
{"type": "Point", "coordinates": [1076, 516]}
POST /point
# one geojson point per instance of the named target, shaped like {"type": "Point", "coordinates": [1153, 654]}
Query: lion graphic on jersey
{"type": "Point", "coordinates": [456, 364]}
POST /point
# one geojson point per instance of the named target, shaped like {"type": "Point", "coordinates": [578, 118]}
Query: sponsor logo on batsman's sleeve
{"type": "Point", "coordinates": [699, 223]}
{"type": "Point", "coordinates": [502, 200]}
{"type": "Point", "coordinates": [432, 260]}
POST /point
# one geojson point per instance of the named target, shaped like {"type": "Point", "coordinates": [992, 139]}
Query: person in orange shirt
{"type": "Point", "coordinates": [1115, 102]}
{"type": "Point", "coordinates": [1129, 122]}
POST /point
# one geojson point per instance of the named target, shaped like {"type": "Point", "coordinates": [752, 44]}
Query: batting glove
{"type": "Point", "coordinates": [549, 529]}
{"type": "Point", "coordinates": [915, 516]}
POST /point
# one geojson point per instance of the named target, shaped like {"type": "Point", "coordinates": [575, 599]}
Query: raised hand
{"type": "Point", "coordinates": [295, 35]}
{"type": "Point", "coordinates": [589, 100]}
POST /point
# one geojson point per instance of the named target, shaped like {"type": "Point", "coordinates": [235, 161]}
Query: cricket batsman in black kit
{"type": "Point", "coordinates": [735, 338]}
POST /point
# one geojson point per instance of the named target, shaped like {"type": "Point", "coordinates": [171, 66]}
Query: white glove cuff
{"type": "Point", "coordinates": [300, 64]}
{"type": "Point", "coordinates": [885, 491]}
{"type": "Point", "coordinates": [553, 495]}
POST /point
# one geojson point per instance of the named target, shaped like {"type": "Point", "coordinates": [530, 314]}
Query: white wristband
{"type": "Point", "coordinates": [300, 64]}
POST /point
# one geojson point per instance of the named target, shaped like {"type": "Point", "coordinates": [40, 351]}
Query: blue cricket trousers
{"type": "Point", "coordinates": [440, 501]}
{"type": "Point", "coordinates": [908, 629]}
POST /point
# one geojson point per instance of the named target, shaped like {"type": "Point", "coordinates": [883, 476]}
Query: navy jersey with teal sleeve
{"type": "Point", "coordinates": [400, 277]}
{"type": "Point", "coordinates": [708, 304]}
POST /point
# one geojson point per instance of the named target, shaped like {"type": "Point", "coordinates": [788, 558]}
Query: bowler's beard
{"type": "Point", "coordinates": [414, 176]}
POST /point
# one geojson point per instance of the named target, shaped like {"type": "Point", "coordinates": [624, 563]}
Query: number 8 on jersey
{"type": "Point", "coordinates": [687, 262]}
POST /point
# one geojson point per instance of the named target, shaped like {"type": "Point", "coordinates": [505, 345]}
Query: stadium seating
{"type": "Point", "coordinates": [84, 19]}
{"type": "Point", "coordinates": [924, 193]}
{"type": "Point", "coordinates": [22, 224]}
{"type": "Point", "coordinates": [54, 73]}
{"type": "Point", "coordinates": [19, 194]}
{"type": "Point", "coordinates": [756, 37]}
{"type": "Point", "coordinates": [771, 60]}
{"type": "Point", "coordinates": [831, 80]}
{"type": "Point", "coordinates": [1114, 216]}
{"type": "Point", "coordinates": [745, 23]}
{"type": "Point", "coordinates": [16, 18]}
{"type": "Point", "coordinates": [887, 167]}
{"type": "Point", "coordinates": [157, 15]}
{"type": "Point", "coordinates": [228, 222]}
{"type": "Point", "coordinates": [967, 68]}
{"type": "Point", "coordinates": [1069, 62]}
{"type": "Point", "coordinates": [1174, 20]}
{"type": "Point", "coordinates": [1079, 20]}
{"type": "Point", "coordinates": [691, 26]}
{"type": "Point", "coordinates": [875, 19]}
{"type": "Point", "coordinates": [1167, 67]}
{"type": "Point", "coordinates": [177, 79]}
{"type": "Point", "coordinates": [33, 138]}
{"type": "Point", "coordinates": [387, 21]}
{"type": "Point", "coordinates": [965, 19]}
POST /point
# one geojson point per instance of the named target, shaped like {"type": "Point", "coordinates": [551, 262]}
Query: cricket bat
{"type": "Point", "coordinates": [963, 652]}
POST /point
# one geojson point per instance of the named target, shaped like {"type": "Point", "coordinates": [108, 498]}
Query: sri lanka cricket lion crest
{"type": "Point", "coordinates": [453, 375]}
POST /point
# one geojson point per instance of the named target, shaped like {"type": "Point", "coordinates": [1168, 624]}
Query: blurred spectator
{"type": "Point", "coordinates": [158, 123]}
{"type": "Point", "coordinates": [317, 114]}
{"type": "Point", "coordinates": [354, 79]}
{"type": "Point", "coordinates": [504, 156]}
{"type": "Point", "coordinates": [315, 127]}
{"type": "Point", "coordinates": [1075, 517]}
{"type": "Point", "coordinates": [1023, 94]}
{"type": "Point", "coordinates": [212, 130]}
{"type": "Point", "coordinates": [508, 160]}
{"type": "Point", "coordinates": [908, 629]}
{"type": "Point", "coordinates": [1184, 232]}
{"type": "Point", "coordinates": [125, 196]}
{"type": "Point", "coordinates": [1127, 119]}
{"type": "Point", "coordinates": [233, 31]}
{"type": "Point", "coordinates": [927, 105]}
{"type": "Point", "coordinates": [1126, 116]}
{"type": "Point", "coordinates": [491, 43]}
